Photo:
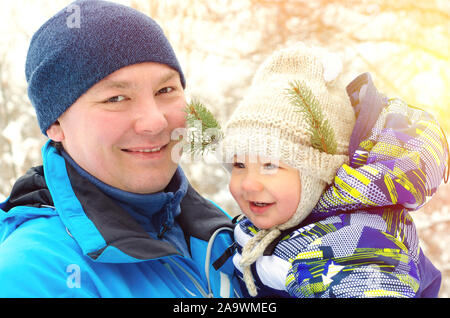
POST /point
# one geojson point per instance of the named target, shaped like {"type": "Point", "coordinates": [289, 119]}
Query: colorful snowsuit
{"type": "Point", "coordinates": [359, 240]}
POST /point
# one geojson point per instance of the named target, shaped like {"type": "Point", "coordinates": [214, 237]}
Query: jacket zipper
{"type": "Point", "coordinates": [208, 253]}
{"type": "Point", "coordinates": [191, 278]}
{"type": "Point", "coordinates": [205, 294]}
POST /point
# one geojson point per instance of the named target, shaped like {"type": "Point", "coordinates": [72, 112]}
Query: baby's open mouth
{"type": "Point", "coordinates": [260, 204]}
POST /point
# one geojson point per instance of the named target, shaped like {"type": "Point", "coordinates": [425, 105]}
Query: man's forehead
{"type": "Point", "coordinates": [124, 80]}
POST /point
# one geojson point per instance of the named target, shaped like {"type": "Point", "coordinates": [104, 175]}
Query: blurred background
{"type": "Point", "coordinates": [404, 44]}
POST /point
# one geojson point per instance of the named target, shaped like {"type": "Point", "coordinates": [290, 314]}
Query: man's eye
{"type": "Point", "coordinates": [116, 99]}
{"type": "Point", "coordinates": [165, 90]}
{"type": "Point", "coordinates": [238, 165]}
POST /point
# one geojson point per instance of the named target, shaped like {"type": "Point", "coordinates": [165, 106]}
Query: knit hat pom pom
{"type": "Point", "coordinates": [332, 66]}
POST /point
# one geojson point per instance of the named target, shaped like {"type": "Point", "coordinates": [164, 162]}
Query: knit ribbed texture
{"type": "Point", "coordinates": [65, 59]}
{"type": "Point", "coordinates": [267, 124]}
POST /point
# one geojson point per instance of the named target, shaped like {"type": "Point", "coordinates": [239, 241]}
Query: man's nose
{"type": "Point", "coordinates": [150, 118]}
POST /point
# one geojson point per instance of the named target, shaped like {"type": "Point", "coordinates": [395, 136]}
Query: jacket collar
{"type": "Point", "coordinates": [155, 212]}
{"type": "Point", "coordinates": [107, 233]}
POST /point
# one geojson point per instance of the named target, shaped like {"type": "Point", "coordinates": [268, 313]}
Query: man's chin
{"type": "Point", "coordinates": [152, 183]}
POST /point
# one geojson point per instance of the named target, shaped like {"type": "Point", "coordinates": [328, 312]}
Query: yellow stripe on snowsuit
{"type": "Point", "coordinates": [358, 175]}
{"type": "Point", "coordinates": [290, 278]}
{"type": "Point", "coordinates": [337, 195]}
{"type": "Point", "coordinates": [382, 293]}
{"type": "Point", "coordinates": [408, 280]}
{"type": "Point", "coordinates": [433, 141]}
{"type": "Point", "coordinates": [423, 185]}
{"type": "Point", "coordinates": [430, 138]}
{"type": "Point", "coordinates": [253, 230]}
{"type": "Point", "coordinates": [433, 153]}
{"type": "Point", "coordinates": [403, 180]}
{"type": "Point", "coordinates": [434, 127]}
{"type": "Point", "coordinates": [309, 255]}
{"type": "Point", "coordinates": [368, 254]}
{"type": "Point", "coordinates": [389, 149]}
{"type": "Point", "coordinates": [352, 191]}
{"type": "Point", "coordinates": [367, 144]}
{"type": "Point", "coordinates": [391, 188]}
{"type": "Point", "coordinates": [415, 157]}
{"type": "Point", "coordinates": [371, 170]}
{"type": "Point", "coordinates": [396, 241]}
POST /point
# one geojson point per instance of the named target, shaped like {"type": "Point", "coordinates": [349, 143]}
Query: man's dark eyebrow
{"type": "Point", "coordinates": [116, 84]}
{"type": "Point", "coordinates": [168, 77]}
{"type": "Point", "coordinates": [125, 84]}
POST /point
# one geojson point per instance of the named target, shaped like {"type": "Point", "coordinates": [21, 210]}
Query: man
{"type": "Point", "coordinates": [109, 214]}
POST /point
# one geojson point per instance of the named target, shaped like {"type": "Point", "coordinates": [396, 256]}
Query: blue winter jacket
{"type": "Point", "coordinates": [60, 236]}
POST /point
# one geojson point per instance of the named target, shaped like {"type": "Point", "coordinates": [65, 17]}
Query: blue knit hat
{"type": "Point", "coordinates": [67, 56]}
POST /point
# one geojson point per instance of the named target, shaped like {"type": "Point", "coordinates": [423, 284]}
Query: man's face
{"type": "Point", "coordinates": [120, 129]}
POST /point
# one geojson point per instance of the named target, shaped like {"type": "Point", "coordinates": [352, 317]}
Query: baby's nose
{"type": "Point", "coordinates": [252, 184]}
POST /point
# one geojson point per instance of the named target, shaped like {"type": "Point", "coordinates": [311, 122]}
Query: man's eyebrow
{"type": "Point", "coordinates": [167, 77]}
{"type": "Point", "coordinates": [116, 84]}
{"type": "Point", "coordinates": [126, 84]}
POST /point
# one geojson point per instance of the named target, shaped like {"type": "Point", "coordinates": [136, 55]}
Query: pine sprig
{"type": "Point", "coordinates": [204, 130]}
{"type": "Point", "coordinates": [322, 135]}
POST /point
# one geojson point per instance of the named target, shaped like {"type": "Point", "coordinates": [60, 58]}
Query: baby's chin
{"type": "Point", "coordinates": [261, 222]}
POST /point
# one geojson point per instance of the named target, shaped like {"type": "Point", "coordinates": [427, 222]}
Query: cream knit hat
{"type": "Point", "coordinates": [266, 123]}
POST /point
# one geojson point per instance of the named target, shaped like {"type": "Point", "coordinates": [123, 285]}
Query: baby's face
{"type": "Point", "coordinates": [268, 192]}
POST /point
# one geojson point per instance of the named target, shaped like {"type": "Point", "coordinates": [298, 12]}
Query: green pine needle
{"type": "Point", "coordinates": [322, 135]}
{"type": "Point", "coordinates": [204, 130]}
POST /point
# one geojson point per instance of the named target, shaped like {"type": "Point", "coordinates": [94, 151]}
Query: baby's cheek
{"type": "Point", "coordinates": [289, 203]}
{"type": "Point", "coordinates": [234, 188]}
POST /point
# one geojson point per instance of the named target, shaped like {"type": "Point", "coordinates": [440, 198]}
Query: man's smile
{"type": "Point", "coordinates": [147, 152]}
{"type": "Point", "coordinates": [144, 149]}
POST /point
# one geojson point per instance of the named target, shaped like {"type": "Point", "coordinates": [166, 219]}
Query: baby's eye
{"type": "Point", "coordinates": [116, 99]}
{"type": "Point", "coordinates": [238, 165]}
{"type": "Point", "coordinates": [270, 166]}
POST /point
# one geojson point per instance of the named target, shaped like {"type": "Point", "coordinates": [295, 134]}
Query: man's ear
{"type": "Point", "coordinates": [55, 132]}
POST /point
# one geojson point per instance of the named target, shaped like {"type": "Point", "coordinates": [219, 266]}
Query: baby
{"type": "Point", "coordinates": [326, 193]}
